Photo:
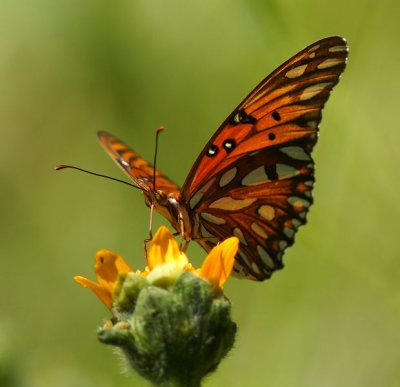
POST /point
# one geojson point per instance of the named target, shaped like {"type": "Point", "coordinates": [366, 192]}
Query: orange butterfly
{"type": "Point", "coordinates": [254, 177]}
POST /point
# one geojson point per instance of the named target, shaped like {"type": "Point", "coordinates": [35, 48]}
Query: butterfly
{"type": "Point", "coordinates": [254, 177]}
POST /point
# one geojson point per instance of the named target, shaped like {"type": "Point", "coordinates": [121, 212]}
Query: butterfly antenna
{"type": "Point", "coordinates": [65, 166]}
{"type": "Point", "coordinates": [159, 130]}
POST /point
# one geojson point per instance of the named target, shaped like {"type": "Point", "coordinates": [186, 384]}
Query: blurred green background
{"type": "Point", "coordinates": [70, 68]}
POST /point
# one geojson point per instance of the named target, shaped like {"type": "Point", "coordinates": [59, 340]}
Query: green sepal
{"type": "Point", "coordinates": [118, 335]}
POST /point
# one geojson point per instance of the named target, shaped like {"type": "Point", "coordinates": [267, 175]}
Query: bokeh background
{"type": "Point", "coordinates": [70, 68]}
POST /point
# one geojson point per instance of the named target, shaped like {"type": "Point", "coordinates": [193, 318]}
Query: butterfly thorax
{"type": "Point", "coordinates": [170, 206]}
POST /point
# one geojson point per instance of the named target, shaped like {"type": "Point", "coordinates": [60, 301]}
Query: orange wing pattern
{"type": "Point", "coordinates": [255, 175]}
{"type": "Point", "coordinates": [131, 163]}
{"type": "Point", "coordinates": [285, 106]}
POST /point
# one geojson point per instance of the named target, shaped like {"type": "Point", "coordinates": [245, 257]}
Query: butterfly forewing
{"type": "Point", "coordinates": [285, 106]}
{"type": "Point", "coordinates": [138, 169]}
{"type": "Point", "coordinates": [254, 177]}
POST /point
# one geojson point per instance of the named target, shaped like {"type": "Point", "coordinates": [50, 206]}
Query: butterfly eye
{"type": "Point", "coordinates": [212, 150]}
{"type": "Point", "coordinates": [229, 145]}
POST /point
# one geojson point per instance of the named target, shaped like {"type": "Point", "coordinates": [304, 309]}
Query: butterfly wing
{"type": "Point", "coordinates": [254, 177]}
{"type": "Point", "coordinates": [131, 163]}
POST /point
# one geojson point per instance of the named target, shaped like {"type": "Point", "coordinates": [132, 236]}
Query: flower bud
{"type": "Point", "coordinates": [127, 289]}
{"type": "Point", "coordinates": [176, 334]}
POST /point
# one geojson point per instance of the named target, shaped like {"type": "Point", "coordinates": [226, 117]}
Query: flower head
{"type": "Point", "coordinates": [165, 263]}
{"type": "Point", "coordinates": [171, 321]}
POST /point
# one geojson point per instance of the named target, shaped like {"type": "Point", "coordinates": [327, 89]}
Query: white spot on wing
{"type": "Point", "coordinates": [302, 215]}
{"type": "Point", "coordinates": [259, 230]}
{"type": "Point", "coordinates": [331, 62]}
{"type": "Point", "coordinates": [265, 257]}
{"type": "Point", "coordinates": [288, 232]}
{"type": "Point", "coordinates": [236, 118]}
{"type": "Point", "coordinates": [283, 245]}
{"type": "Point", "coordinates": [244, 258]}
{"type": "Point", "coordinates": [212, 218]}
{"type": "Point", "coordinates": [237, 232]}
{"type": "Point", "coordinates": [285, 171]}
{"type": "Point", "coordinates": [296, 223]}
{"type": "Point", "coordinates": [255, 268]}
{"type": "Point", "coordinates": [308, 194]}
{"type": "Point", "coordinates": [312, 91]}
{"type": "Point", "coordinates": [195, 199]}
{"type": "Point", "coordinates": [255, 177]}
{"type": "Point", "coordinates": [338, 49]}
{"type": "Point", "coordinates": [199, 194]}
{"type": "Point", "coordinates": [296, 71]}
{"type": "Point", "coordinates": [295, 152]}
{"type": "Point", "coordinates": [238, 271]}
{"type": "Point", "coordinates": [266, 212]}
{"type": "Point", "coordinates": [229, 204]}
{"type": "Point", "coordinates": [227, 177]}
{"type": "Point", "coordinates": [311, 124]}
{"type": "Point", "coordinates": [314, 48]}
{"type": "Point", "coordinates": [205, 233]}
{"type": "Point", "coordinates": [295, 201]}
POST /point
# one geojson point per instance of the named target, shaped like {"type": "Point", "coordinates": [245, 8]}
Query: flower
{"type": "Point", "coordinates": [171, 322]}
{"type": "Point", "coordinates": [165, 263]}
{"type": "Point", "coordinates": [107, 266]}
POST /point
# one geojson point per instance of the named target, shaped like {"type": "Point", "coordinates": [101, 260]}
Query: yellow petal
{"type": "Point", "coordinates": [107, 267]}
{"type": "Point", "coordinates": [164, 248]}
{"type": "Point", "coordinates": [218, 265]}
{"type": "Point", "coordinates": [102, 293]}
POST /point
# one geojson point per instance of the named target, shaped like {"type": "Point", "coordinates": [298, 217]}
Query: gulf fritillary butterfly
{"type": "Point", "coordinates": [254, 177]}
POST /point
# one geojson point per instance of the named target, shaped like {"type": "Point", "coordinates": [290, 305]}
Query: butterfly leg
{"type": "Point", "coordinates": [151, 222]}
{"type": "Point", "coordinates": [184, 243]}
{"type": "Point", "coordinates": [147, 240]}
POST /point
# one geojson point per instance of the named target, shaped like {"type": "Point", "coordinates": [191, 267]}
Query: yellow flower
{"type": "Point", "coordinates": [165, 262]}
{"type": "Point", "coordinates": [107, 266]}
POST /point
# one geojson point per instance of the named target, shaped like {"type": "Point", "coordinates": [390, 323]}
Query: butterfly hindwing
{"type": "Point", "coordinates": [263, 208]}
{"type": "Point", "coordinates": [254, 177]}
